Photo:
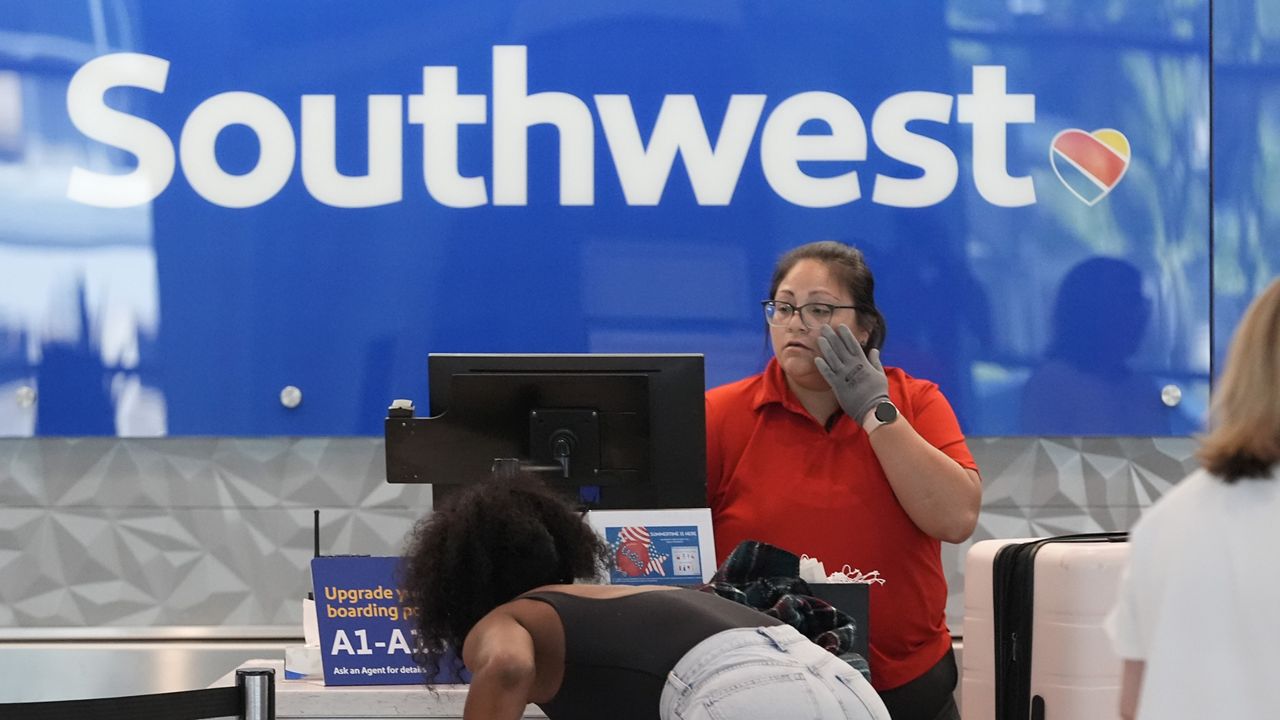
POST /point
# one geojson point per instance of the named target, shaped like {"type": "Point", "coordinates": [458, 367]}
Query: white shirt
{"type": "Point", "coordinates": [1200, 601]}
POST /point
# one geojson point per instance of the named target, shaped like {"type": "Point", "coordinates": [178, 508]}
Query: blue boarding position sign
{"type": "Point", "coordinates": [367, 634]}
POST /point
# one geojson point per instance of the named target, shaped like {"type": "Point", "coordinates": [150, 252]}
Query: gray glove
{"type": "Point", "coordinates": [857, 378]}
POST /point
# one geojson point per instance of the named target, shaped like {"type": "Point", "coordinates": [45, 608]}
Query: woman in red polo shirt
{"type": "Point", "coordinates": [830, 454]}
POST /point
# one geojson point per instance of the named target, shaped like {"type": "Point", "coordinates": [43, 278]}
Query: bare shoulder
{"type": "Point", "coordinates": [501, 632]}
{"type": "Point", "coordinates": [498, 621]}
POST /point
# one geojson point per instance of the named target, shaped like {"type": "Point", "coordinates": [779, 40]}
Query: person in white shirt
{"type": "Point", "coordinates": [1198, 617]}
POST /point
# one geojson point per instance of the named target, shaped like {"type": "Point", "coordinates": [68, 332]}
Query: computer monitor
{"type": "Point", "coordinates": [615, 431]}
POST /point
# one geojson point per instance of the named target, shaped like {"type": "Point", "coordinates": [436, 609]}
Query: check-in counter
{"type": "Point", "coordinates": [313, 700]}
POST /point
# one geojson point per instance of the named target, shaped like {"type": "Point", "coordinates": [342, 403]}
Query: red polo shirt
{"type": "Point", "coordinates": [775, 474]}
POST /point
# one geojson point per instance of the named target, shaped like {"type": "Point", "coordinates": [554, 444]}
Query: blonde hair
{"type": "Point", "coordinates": [1244, 440]}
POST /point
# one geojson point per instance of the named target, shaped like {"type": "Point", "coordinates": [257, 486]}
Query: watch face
{"type": "Point", "coordinates": [886, 412]}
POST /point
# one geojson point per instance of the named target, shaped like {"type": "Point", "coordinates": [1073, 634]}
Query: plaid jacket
{"type": "Point", "coordinates": [766, 578]}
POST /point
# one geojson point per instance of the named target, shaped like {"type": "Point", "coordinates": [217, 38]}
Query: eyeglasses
{"type": "Point", "coordinates": [813, 315]}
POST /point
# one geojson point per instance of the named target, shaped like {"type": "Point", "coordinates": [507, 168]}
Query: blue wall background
{"type": "Point", "coordinates": [1246, 145]}
{"type": "Point", "coordinates": [182, 317]}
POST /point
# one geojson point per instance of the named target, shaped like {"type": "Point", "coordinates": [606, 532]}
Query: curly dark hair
{"type": "Point", "coordinates": [484, 546]}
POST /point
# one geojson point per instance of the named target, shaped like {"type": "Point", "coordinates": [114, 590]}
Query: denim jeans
{"type": "Point", "coordinates": [766, 673]}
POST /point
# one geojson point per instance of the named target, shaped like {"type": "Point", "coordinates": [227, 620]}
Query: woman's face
{"type": "Point", "coordinates": [796, 346]}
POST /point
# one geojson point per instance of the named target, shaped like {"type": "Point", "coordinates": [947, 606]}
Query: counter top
{"type": "Point", "coordinates": [317, 701]}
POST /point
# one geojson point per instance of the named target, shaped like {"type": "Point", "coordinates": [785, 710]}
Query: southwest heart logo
{"type": "Point", "coordinates": [1090, 164]}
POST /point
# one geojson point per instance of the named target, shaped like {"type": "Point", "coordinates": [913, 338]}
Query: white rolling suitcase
{"type": "Point", "coordinates": [1034, 645]}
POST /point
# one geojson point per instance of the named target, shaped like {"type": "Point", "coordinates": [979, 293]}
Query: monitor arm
{"type": "Point", "coordinates": [561, 441]}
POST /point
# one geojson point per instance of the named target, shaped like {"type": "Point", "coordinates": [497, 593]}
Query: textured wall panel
{"type": "Point", "coordinates": [217, 531]}
{"type": "Point", "coordinates": [1038, 487]}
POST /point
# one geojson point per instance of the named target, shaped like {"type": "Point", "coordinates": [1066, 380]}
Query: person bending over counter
{"type": "Point", "coordinates": [493, 571]}
{"type": "Point", "coordinates": [1196, 619]}
{"type": "Point", "coordinates": [830, 454]}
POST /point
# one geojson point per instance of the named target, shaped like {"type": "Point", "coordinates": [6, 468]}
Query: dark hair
{"type": "Point", "coordinates": [850, 268]}
{"type": "Point", "coordinates": [484, 546]}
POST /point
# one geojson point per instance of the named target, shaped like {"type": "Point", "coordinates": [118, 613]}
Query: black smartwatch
{"type": "Point", "coordinates": [883, 413]}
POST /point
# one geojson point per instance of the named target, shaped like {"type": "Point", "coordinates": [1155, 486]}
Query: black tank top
{"type": "Point", "coordinates": [618, 651]}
